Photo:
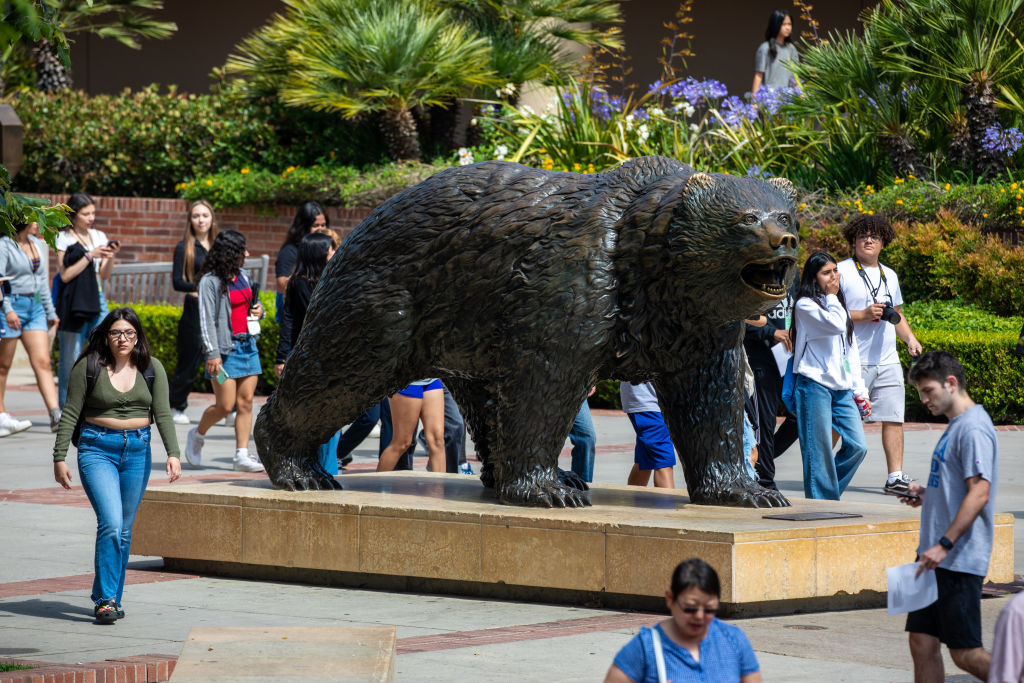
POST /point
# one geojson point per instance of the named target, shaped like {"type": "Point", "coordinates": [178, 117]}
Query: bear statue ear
{"type": "Point", "coordinates": [786, 187]}
{"type": "Point", "coordinates": [696, 187]}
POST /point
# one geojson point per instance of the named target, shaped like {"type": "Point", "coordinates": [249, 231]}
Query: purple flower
{"type": "Point", "coordinates": [656, 87]}
{"type": "Point", "coordinates": [641, 114]}
{"type": "Point", "coordinates": [756, 172]}
{"type": "Point", "coordinates": [698, 92]}
{"type": "Point", "coordinates": [734, 111]}
{"type": "Point", "coordinates": [770, 100]}
{"type": "Point", "coordinates": [999, 140]}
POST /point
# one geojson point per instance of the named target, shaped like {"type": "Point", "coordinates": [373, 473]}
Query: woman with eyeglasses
{"type": "Point", "coordinates": [691, 645]}
{"type": "Point", "coordinates": [115, 391]}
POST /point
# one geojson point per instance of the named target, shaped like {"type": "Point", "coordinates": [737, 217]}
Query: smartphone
{"type": "Point", "coordinates": [255, 294]}
{"type": "Point", "coordinates": [114, 243]}
{"type": "Point", "coordinates": [222, 375]}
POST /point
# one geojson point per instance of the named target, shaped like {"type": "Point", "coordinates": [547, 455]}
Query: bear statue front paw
{"type": "Point", "coordinates": [745, 494]}
{"type": "Point", "coordinates": [294, 477]}
{"type": "Point", "coordinates": [572, 480]}
{"type": "Point", "coordinates": [545, 496]}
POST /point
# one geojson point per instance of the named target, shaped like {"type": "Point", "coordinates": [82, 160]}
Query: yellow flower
{"type": "Point", "coordinates": [947, 187]}
{"type": "Point", "coordinates": [984, 215]}
{"type": "Point", "coordinates": [871, 213]}
{"type": "Point", "coordinates": [1020, 209]}
{"type": "Point", "coordinates": [897, 181]}
{"type": "Point", "coordinates": [1002, 190]}
{"type": "Point", "coordinates": [1013, 186]}
{"type": "Point", "coordinates": [899, 202]}
{"type": "Point", "coordinates": [803, 206]}
{"type": "Point", "coordinates": [209, 181]}
{"type": "Point", "coordinates": [244, 171]}
{"type": "Point", "coordinates": [912, 176]}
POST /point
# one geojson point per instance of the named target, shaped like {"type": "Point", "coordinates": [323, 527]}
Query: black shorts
{"type": "Point", "coordinates": [955, 618]}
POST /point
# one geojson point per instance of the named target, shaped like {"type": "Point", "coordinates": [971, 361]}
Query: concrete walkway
{"type": "Point", "coordinates": [46, 574]}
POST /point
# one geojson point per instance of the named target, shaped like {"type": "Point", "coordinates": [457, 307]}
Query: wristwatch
{"type": "Point", "coordinates": [946, 543]}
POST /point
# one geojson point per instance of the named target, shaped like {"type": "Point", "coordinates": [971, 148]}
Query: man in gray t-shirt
{"type": "Point", "coordinates": [956, 521]}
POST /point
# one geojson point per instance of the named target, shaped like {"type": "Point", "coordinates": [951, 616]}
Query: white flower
{"type": "Point", "coordinates": [500, 151]}
{"type": "Point", "coordinates": [688, 110]}
{"type": "Point", "coordinates": [465, 157]}
{"type": "Point", "coordinates": [643, 133]}
{"type": "Point", "coordinates": [694, 127]}
{"type": "Point", "coordinates": [472, 122]}
{"type": "Point", "coordinates": [656, 111]}
{"type": "Point", "coordinates": [510, 88]}
{"type": "Point", "coordinates": [528, 110]}
{"type": "Point", "coordinates": [522, 132]}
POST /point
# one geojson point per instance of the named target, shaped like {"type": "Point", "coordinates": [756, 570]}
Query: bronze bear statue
{"type": "Point", "coordinates": [520, 288]}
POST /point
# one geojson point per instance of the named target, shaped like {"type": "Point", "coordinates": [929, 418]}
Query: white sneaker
{"type": "Point", "coordinates": [180, 418]}
{"type": "Point", "coordinates": [12, 425]}
{"type": "Point", "coordinates": [375, 432]}
{"type": "Point", "coordinates": [194, 447]}
{"type": "Point", "coordinates": [4, 432]}
{"type": "Point", "coordinates": [244, 462]}
{"type": "Point", "coordinates": [229, 419]}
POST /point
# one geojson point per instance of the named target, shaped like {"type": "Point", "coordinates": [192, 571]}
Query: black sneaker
{"type": "Point", "coordinates": [120, 611]}
{"type": "Point", "coordinates": [898, 487]}
{"type": "Point", "coordinates": [345, 461]}
{"type": "Point", "coordinates": [106, 612]}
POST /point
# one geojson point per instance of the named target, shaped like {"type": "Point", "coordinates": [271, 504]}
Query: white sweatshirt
{"type": "Point", "coordinates": [821, 347]}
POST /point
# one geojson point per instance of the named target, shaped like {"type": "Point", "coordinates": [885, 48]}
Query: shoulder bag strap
{"type": "Point", "coordinates": [659, 655]}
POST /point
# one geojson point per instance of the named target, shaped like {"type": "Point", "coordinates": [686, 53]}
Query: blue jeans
{"type": "Point", "coordinates": [819, 410]}
{"type": "Point", "coordinates": [584, 444]}
{"type": "Point", "coordinates": [114, 469]}
{"type": "Point", "coordinates": [359, 430]}
{"type": "Point", "coordinates": [71, 345]}
{"type": "Point", "coordinates": [328, 454]}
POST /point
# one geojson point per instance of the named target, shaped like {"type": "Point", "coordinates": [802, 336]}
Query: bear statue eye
{"type": "Point", "coordinates": [783, 219]}
{"type": "Point", "coordinates": [750, 219]}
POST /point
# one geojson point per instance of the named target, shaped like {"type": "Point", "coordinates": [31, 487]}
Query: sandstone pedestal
{"type": "Point", "coordinates": [287, 653]}
{"type": "Point", "coordinates": [447, 533]}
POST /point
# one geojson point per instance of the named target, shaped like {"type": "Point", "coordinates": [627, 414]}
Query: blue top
{"type": "Point", "coordinates": [725, 655]}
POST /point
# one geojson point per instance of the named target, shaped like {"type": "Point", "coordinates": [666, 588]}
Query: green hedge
{"type": "Point", "coordinates": [144, 143]}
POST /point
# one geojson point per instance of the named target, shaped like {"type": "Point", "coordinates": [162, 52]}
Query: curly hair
{"type": "Point", "coordinates": [227, 254]}
{"type": "Point", "coordinates": [869, 224]}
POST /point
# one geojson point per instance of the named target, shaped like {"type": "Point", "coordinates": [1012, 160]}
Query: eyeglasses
{"type": "Point", "coordinates": [127, 334]}
{"type": "Point", "coordinates": [708, 611]}
{"type": "Point", "coordinates": [869, 238]}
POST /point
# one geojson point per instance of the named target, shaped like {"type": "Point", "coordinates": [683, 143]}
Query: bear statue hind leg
{"type": "Point", "coordinates": [554, 494]}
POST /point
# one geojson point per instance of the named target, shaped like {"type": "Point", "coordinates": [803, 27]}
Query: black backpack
{"type": "Point", "coordinates": [92, 370]}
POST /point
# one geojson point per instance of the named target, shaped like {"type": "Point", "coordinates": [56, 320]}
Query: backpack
{"type": "Point", "coordinates": [92, 373]}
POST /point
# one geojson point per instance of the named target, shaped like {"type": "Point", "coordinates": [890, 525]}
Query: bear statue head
{"type": "Point", "coordinates": [734, 238]}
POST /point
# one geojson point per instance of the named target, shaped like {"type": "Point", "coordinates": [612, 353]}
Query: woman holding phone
{"type": "Point", "coordinates": [229, 313]}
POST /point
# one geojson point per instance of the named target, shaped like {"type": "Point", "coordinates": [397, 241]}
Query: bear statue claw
{"type": "Point", "coordinates": [550, 496]}
{"type": "Point", "coordinates": [313, 482]}
{"type": "Point", "coordinates": [572, 480]}
{"type": "Point", "coordinates": [752, 496]}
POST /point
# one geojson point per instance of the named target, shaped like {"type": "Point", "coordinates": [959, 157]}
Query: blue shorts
{"type": "Point", "coordinates": [243, 361]}
{"type": "Point", "coordinates": [416, 390]}
{"type": "Point", "coordinates": [30, 312]}
{"type": "Point", "coordinates": [653, 445]}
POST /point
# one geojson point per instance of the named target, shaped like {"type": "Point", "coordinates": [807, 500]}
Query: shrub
{"type": "Point", "coordinates": [991, 369]}
{"type": "Point", "coordinates": [327, 184]}
{"type": "Point", "coordinates": [142, 143]}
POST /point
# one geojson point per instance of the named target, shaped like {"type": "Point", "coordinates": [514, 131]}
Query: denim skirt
{"type": "Point", "coordinates": [244, 359]}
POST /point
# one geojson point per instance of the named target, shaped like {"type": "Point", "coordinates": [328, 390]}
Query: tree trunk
{"type": "Point", "coordinates": [959, 152]}
{"type": "Point", "coordinates": [399, 130]}
{"type": "Point", "coordinates": [980, 101]}
{"type": "Point", "coordinates": [903, 154]}
{"type": "Point", "coordinates": [51, 75]}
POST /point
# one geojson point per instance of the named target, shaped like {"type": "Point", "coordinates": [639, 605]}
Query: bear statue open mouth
{"type": "Point", "coordinates": [768, 277]}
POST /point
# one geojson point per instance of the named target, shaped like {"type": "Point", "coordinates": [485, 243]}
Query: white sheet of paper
{"type": "Point", "coordinates": [906, 593]}
{"type": "Point", "coordinates": [782, 357]}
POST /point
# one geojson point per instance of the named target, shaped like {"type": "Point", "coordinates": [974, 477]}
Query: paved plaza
{"type": "Point", "coordinates": [46, 572]}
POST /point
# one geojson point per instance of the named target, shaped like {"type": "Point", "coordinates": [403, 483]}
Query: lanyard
{"type": "Point", "coordinates": [867, 283]}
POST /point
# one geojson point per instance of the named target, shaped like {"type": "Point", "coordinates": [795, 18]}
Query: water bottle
{"type": "Point", "coordinates": [862, 405]}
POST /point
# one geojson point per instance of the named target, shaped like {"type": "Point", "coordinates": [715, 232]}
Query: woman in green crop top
{"type": "Point", "coordinates": [114, 455]}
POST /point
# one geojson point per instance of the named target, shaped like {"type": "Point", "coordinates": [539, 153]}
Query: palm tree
{"type": "Point", "coordinates": [126, 21]}
{"type": "Point", "coordinates": [357, 57]}
{"type": "Point", "coordinates": [531, 40]}
{"type": "Point", "coordinates": [973, 48]}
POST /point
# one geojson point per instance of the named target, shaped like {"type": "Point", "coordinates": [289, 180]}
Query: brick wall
{"type": "Point", "coordinates": [150, 228]}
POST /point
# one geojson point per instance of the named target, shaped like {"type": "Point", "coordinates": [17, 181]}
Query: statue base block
{"type": "Point", "coordinates": [444, 533]}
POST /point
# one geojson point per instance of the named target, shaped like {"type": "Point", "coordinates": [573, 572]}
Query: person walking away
{"type": "Point", "coordinates": [116, 390]}
{"type": "Point", "coordinates": [27, 313]}
{"type": "Point", "coordinates": [1008, 645]}
{"type": "Point", "coordinates": [873, 296]}
{"type": "Point", "coordinates": [653, 452]}
{"type": "Point", "coordinates": [691, 645]}
{"type": "Point", "coordinates": [189, 255]}
{"type": "Point", "coordinates": [227, 305]}
{"type": "Point", "coordinates": [583, 438]}
{"type": "Point", "coordinates": [830, 394]}
{"type": "Point", "coordinates": [775, 53]}
{"type": "Point", "coordinates": [957, 522]}
{"type": "Point", "coordinates": [85, 257]}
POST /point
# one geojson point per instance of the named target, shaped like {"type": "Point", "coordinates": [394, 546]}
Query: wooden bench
{"type": "Point", "coordinates": [151, 283]}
